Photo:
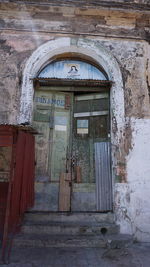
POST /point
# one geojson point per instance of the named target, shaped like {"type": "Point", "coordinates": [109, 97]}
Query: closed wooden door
{"type": "Point", "coordinates": [72, 129]}
{"type": "Point", "coordinates": [91, 189]}
{"type": "Point", "coordinates": [52, 119]}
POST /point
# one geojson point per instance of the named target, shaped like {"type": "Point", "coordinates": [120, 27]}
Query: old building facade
{"type": "Point", "coordinates": [112, 38]}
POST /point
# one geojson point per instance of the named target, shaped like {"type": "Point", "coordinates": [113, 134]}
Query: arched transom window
{"type": "Point", "coordinates": [72, 69]}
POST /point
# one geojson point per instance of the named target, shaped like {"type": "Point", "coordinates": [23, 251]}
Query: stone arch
{"type": "Point", "coordinates": [91, 50]}
{"type": "Point", "coordinates": [94, 52]}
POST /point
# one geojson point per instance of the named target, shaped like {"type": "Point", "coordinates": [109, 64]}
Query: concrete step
{"type": "Point", "coordinates": [69, 228]}
{"type": "Point", "coordinates": [114, 241]}
{"type": "Point", "coordinates": [70, 216]}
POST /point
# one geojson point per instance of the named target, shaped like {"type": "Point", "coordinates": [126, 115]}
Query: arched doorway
{"type": "Point", "coordinates": [72, 119]}
{"type": "Point", "coordinates": [92, 51]}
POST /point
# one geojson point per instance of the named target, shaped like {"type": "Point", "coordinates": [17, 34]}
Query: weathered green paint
{"type": "Point", "coordinates": [84, 187]}
{"type": "Point", "coordinates": [60, 140]}
{"type": "Point", "coordinates": [51, 118]}
{"type": "Point", "coordinates": [59, 145]}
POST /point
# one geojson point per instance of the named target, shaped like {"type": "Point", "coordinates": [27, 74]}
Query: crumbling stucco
{"type": "Point", "coordinates": [117, 39]}
{"type": "Point", "coordinates": [132, 199]}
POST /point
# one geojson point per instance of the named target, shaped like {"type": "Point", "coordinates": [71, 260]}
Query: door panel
{"type": "Point", "coordinates": [99, 127]}
{"type": "Point", "coordinates": [83, 153]}
{"type": "Point", "coordinates": [60, 140]}
{"type": "Point", "coordinates": [91, 126]}
{"type": "Point", "coordinates": [52, 119]}
{"type": "Point", "coordinates": [42, 150]}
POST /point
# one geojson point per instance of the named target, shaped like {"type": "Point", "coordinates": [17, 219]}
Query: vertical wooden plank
{"type": "Point", "coordinates": [64, 192]}
{"type": "Point", "coordinates": [78, 171]}
{"type": "Point", "coordinates": [27, 187]}
{"type": "Point", "coordinates": [67, 101]}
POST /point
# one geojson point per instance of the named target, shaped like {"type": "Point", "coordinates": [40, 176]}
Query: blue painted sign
{"type": "Point", "coordinates": [50, 101]}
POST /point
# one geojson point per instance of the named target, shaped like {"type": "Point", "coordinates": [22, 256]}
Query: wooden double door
{"type": "Point", "coordinates": [72, 151]}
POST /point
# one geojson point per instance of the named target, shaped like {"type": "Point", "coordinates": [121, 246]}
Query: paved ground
{"type": "Point", "coordinates": [138, 255]}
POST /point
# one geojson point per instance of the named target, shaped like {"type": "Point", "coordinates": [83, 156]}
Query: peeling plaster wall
{"type": "Point", "coordinates": [133, 199]}
{"type": "Point", "coordinates": [15, 49]}
{"type": "Point", "coordinates": [119, 39]}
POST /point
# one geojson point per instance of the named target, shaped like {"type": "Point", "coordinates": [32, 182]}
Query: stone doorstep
{"type": "Point", "coordinates": [109, 241]}
{"type": "Point", "coordinates": [58, 230]}
{"type": "Point", "coordinates": [69, 228]}
{"type": "Point", "coordinates": [70, 216]}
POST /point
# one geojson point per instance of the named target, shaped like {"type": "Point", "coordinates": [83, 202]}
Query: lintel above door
{"type": "Point", "coordinates": [71, 85]}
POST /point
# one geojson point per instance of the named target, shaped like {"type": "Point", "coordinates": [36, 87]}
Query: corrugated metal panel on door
{"type": "Point", "coordinates": [103, 176]}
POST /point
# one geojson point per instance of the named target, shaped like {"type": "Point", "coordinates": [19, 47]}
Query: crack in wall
{"type": "Point", "coordinates": [147, 77]}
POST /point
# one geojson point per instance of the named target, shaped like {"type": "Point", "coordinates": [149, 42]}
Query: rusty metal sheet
{"type": "Point", "coordinates": [17, 180]}
{"type": "Point", "coordinates": [17, 194]}
{"type": "Point", "coordinates": [27, 187]}
{"type": "Point", "coordinates": [103, 176]}
{"type": "Point", "coordinates": [6, 140]}
{"type": "Point", "coordinates": [12, 129]}
{"type": "Point", "coordinates": [23, 180]}
{"type": "Point", "coordinates": [3, 201]}
{"type": "Point", "coordinates": [5, 163]}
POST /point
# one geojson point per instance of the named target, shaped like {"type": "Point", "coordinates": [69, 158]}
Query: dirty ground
{"type": "Point", "coordinates": [137, 255]}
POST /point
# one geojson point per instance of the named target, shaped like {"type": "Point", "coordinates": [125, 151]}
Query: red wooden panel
{"type": "Point", "coordinates": [23, 182]}
{"type": "Point", "coordinates": [6, 140]}
{"type": "Point", "coordinates": [19, 195]}
{"type": "Point", "coordinates": [27, 196]}
{"type": "Point", "coordinates": [3, 201]}
{"type": "Point", "coordinates": [17, 182]}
